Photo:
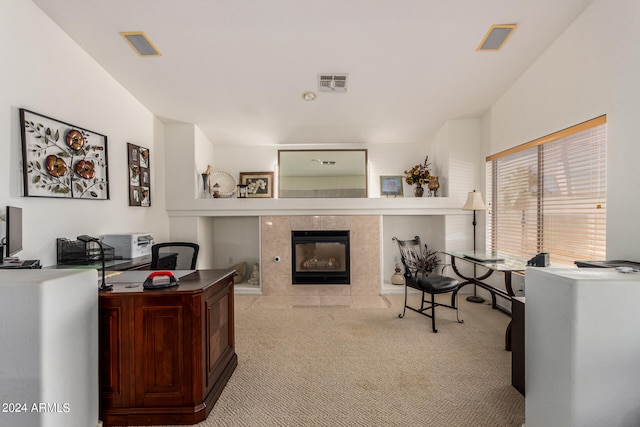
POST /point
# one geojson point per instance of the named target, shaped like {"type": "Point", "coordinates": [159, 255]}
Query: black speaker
{"type": "Point", "coordinates": [540, 260]}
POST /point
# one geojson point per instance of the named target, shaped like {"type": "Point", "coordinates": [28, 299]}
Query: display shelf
{"type": "Point", "coordinates": [336, 206]}
{"type": "Point", "coordinates": [246, 289]}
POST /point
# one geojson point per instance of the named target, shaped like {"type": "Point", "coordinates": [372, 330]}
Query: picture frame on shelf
{"type": "Point", "coordinates": [139, 175]}
{"type": "Point", "coordinates": [242, 191]}
{"type": "Point", "coordinates": [62, 160]}
{"type": "Point", "coordinates": [391, 186]}
{"type": "Point", "coordinates": [259, 184]}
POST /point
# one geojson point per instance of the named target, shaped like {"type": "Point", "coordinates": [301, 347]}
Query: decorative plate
{"type": "Point", "coordinates": [225, 180]}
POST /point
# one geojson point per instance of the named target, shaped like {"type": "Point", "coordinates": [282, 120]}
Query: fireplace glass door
{"type": "Point", "coordinates": [320, 257]}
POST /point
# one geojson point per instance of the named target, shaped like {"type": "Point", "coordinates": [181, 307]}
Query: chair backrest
{"type": "Point", "coordinates": [174, 256]}
{"type": "Point", "coordinates": [410, 255]}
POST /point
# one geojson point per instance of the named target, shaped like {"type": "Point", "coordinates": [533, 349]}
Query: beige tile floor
{"type": "Point", "coordinates": [253, 301]}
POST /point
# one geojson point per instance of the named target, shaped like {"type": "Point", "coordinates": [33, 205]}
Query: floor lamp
{"type": "Point", "coordinates": [474, 203]}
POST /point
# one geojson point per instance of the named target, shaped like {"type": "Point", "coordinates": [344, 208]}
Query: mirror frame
{"type": "Point", "coordinates": [321, 152]}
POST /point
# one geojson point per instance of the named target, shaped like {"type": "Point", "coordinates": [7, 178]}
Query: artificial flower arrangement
{"type": "Point", "coordinates": [429, 260]}
{"type": "Point", "coordinates": [419, 174]}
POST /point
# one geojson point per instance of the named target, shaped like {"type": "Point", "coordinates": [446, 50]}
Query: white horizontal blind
{"type": "Point", "coordinates": [549, 195]}
{"type": "Point", "coordinates": [512, 204]}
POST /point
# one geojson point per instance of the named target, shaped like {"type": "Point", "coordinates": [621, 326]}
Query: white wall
{"type": "Point", "coordinates": [246, 158]}
{"type": "Point", "coordinates": [46, 72]}
{"type": "Point", "coordinates": [458, 157]}
{"type": "Point", "coordinates": [206, 239]}
{"type": "Point", "coordinates": [384, 159]}
{"type": "Point", "coordinates": [235, 241]}
{"type": "Point", "coordinates": [181, 170]}
{"type": "Point", "coordinates": [203, 150]}
{"type": "Point", "coordinates": [592, 69]}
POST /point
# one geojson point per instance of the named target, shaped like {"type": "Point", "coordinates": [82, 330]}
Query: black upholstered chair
{"type": "Point", "coordinates": [174, 256]}
{"type": "Point", "coordinates": [415, 261]}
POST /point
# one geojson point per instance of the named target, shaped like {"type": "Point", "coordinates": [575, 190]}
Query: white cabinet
{"type": "Point", "coordinates": [49, 356]}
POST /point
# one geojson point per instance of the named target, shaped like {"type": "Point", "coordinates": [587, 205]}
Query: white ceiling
{"type": "Point", "coordinates": [238, 68]}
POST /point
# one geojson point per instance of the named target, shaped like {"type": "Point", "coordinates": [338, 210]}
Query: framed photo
{"type": "Point", "coordinates": [62, 160]}
{"type": "Point", "coordinates": [259, 184]}
{"type": "Point", "coordinates": [139, 176]}
{"type": "Point", "coordinates": [391, 186]}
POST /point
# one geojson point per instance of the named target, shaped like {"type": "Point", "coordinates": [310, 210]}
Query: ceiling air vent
{"type": "Point", "coordinates": [332, 83]}
{"type": "Point", "coordinates": [141, 43]}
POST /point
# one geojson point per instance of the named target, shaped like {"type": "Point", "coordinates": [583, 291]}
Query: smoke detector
{"type": "Point", "coordinates": [332, 83]}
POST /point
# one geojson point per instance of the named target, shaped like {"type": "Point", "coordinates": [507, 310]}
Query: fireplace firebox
{"type": "Point", "coordinates": [320, 257]}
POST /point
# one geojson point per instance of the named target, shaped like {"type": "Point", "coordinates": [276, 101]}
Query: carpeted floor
{"type": "Point", "coordinates": [340, 366]}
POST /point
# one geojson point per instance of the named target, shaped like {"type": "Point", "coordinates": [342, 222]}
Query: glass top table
{"type": "Point", "coordinates": [496, 261]}
{"type": "Point", "coordinates": [492, 262]}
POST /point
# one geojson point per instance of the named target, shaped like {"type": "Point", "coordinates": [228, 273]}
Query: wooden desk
{"type": "Point", "coordinates": [166, 354]}
{"type": "Point", "coordinates": [139, 263]}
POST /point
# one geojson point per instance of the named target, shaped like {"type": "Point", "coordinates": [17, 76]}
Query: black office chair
{"type": "Point", "coordinates": [174, 256]}
{"type": "Point", "coordinates": [417, 275]}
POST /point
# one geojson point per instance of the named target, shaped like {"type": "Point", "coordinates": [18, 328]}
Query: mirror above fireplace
{"type": "Point", "coordinates": [322, 173]}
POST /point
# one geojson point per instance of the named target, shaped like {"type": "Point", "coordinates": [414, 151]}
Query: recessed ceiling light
{"type": "Point", "coordinates": [309, 96]}
{"type": "Point", "coordinates": [496, 37]}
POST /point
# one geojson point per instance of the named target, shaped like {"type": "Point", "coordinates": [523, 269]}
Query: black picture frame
{"type": "Point", "coordinates": [139, 175]}
{"type": "Point", "coordinates": [259, 184]}
{"type": "Point", "coordinates": [62, 160]}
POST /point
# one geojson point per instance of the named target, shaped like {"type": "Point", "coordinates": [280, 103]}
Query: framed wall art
{"type": "Point", "coordinates": [139, 175]}
{"type": "Point", "coordinates": [62, 160]}
{"type": "Point", "coordinates": [259, 184]}
{"type": "Point", "coordinates": [391, 186]}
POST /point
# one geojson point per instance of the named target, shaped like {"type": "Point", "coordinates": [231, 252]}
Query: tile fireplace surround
{"type": "Point", "coordinates": [365, 254]}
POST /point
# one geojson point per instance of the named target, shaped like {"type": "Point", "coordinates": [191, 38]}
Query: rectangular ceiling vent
{"type": "Point", "coordinates": [496, 37]}
{"type": "Point", "coordinates": [141, 44]}
{"type": "Point", "coordinates": [332, 83]}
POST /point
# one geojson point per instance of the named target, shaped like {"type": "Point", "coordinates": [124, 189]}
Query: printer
{"type": "Point", "coordinates": [129, 245]}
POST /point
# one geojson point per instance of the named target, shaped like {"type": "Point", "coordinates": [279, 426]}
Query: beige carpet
{"type": "Point", "coordinates": [340, 366]}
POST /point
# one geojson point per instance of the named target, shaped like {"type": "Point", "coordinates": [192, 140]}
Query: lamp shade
{"type": "Point", "coordinates": [474, 202]}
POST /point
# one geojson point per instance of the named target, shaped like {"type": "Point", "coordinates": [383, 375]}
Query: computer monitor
{"type": "Point", "coordinates": [14, 230]}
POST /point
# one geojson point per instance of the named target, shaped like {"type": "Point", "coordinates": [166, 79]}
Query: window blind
{"type": "Point", "coordinates": [549, 195]}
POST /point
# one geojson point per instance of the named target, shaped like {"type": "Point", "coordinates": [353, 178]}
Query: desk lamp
{"type": "Point", "coordinates": [86, 239]}
{"type": "Point", "coordinates": [474, 203]}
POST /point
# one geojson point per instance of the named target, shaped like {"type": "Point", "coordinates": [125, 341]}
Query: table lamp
{"type": "Point", "coordinates": [474, 203]}
{"type": "Point", "coordinates": [86, 239]}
